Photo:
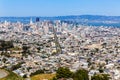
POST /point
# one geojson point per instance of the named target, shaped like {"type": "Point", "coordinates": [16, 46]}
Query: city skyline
{"type": "Point", "coordinates": [59, 8]}
{"type": "Point", "coordinates": [59, 40]}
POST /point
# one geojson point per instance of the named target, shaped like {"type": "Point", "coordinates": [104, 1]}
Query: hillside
{"type": "Point", "coordinates": [11, 76]}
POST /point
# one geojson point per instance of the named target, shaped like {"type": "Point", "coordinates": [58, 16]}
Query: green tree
{"type": "Point", "coordinates": [81, 74]}
{"type": "Point", "coordinates": [14, 67]}
{"type": "Point", "coordinates": [100, 77]}
{"type": "Point", "coordinates": [63, 72]}
{"type": "Point", "coordinates": [54, 78]}
{"type": "Point", "coordinates": [5, 45]}
{"type": "Point", "coordinates": [101, 70]}
{"type": "Point", "coordinates": [37, 72]}
{"type": "Point", "coordinates": [25, 49]}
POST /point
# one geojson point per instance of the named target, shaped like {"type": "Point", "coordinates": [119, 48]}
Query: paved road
{"type": "Point", "coordinates": [3, 73]}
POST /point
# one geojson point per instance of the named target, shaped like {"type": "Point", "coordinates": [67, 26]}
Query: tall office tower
{"type": "Point", "coordinates": [31, 22]}
{"type": "Point", "coordinates": [37, 19]}
{"type": "Point", "coordinates": [5, 23]}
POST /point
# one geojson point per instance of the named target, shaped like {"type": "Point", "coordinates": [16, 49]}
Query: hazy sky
{"type": "Point", "coordinates": [59, 7]}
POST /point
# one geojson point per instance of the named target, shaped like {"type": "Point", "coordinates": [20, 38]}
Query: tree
{"type": "Point", "coordinates": [37, 72]}
{"type": "Point", "coordinates": [89, 62]}
{"type": "Point", "coordinates": [100, 77]}
{"type": "Point", "coordinates": [63, 72]}
{"type": "Point", "coordinates": [25, 76]}
{"type": "Point", "coordinates": [54, 78]}
{"type": "Point", "coordinates": [104, 45]}
{"type": "Point", "coordinates": [81, 74]}
{"type": "Point", "coordinates": [14, 67]}
{"type": "Point", "coordinates": [25, 49]}
{"type": "Point", "coordinates": [5, 45]}
{"type": "Point", "coordinates": [101, 70]}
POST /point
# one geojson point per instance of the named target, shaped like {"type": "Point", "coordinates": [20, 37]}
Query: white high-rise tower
{"type": "Point", "coordinates": [31, 22]}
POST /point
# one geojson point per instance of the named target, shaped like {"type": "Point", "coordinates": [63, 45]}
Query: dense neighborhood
{"type": "Point", "coordinates": [45, 46]}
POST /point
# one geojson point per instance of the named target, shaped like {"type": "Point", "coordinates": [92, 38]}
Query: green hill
{"type": "Point", "coordinates": [12, 76]}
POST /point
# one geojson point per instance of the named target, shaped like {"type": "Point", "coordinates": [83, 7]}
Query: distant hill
{"type": "Point", "coordinates": [89, 17]}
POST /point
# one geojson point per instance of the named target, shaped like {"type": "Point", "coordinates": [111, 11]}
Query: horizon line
{"type": "Point", "coordinates": [66, 15]}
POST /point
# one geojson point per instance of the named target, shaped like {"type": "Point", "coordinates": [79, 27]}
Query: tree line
{"type": "Point", "coordinates": [64, 73]}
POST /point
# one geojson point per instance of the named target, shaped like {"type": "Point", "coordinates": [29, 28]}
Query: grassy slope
{"type": "Point", "coordinates": [42, 76]}
{"type": "Point", "coordinates": [12, 76]}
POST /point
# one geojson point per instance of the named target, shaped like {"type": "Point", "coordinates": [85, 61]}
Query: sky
{"type": "Point", "coordinates": [59, 7]}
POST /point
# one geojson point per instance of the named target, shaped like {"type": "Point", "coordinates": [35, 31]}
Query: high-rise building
{"type": "Point", "coordinates": [31, 22]}
{"type": "Point", "coordinates": [37, 19]}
